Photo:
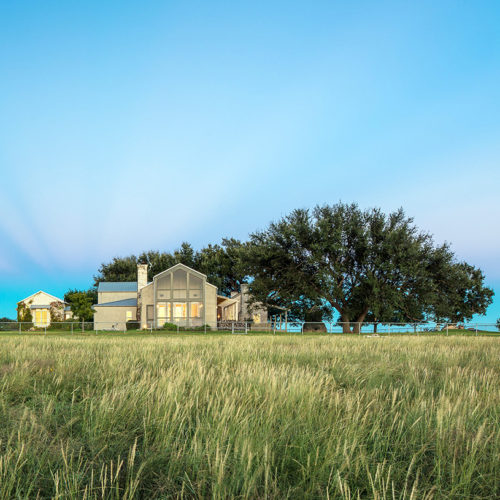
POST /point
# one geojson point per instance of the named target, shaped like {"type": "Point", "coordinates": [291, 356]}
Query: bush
{"type": "Point", "coordinates": [199, 328]}
{"type": "Point", "coordinates": [133, 325]}
{"type": "Point", "coordinates": [170, 327]}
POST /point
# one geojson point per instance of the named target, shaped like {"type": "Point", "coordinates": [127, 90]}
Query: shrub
{"type": "Point", "coordinates": [170, 327]}
{"type": "Point", "coordinates": [199, 328]}
{"type": "Point", "coordinates": [133, 325]}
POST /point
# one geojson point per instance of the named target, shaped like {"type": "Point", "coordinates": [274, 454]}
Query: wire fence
{"type": "Point", "coordinates": [249, 327]}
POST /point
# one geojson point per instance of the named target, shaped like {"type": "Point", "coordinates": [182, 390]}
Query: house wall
{"type": "Point", "coordinates": [255, 313]}
{"type": "Point", "coordinates": [112, 318]}
{"type": "Point", "coordinates": [146, 297]}
{"type": "Point", "coordinates": [105, 297]}
{"type": "Point", "coordinates": [211, 305]}
{"type": "Point", "coordinates": [42, 299]}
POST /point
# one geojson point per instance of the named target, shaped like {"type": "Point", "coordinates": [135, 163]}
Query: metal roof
{"type": "Point", "coordinates": [117, 286]}
{"type": "Point", "coordinates": [119, 303]}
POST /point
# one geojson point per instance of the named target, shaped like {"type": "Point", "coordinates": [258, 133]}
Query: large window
{"type": "Point", "coordinates": [195, 287]}
{"type": "Point", "coordinates": [179, 298]}
{"type": "Point", "coordinates": [41, 317]}
{"type": "Point", "coordinates": [162, 313]}
{"type": "Point", "coordinates": [179, 284]}
{"type": "Point", "coordinates": [196, 310]}
{"type": "Point", "coordinates": [163, 286]}
{"type": "Point", "coordinates": [180, 310]}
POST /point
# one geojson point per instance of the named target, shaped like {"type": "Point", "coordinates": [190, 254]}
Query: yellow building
{"type": "Point", "coordinates": [44, 308]}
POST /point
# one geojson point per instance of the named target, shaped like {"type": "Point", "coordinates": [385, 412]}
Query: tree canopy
{"type": "Point", "coordinates": [362, 264]}
{"type": "Point", "coordinates": [80, 302]}
{"type": "Point", "coordinates": [223, 264]}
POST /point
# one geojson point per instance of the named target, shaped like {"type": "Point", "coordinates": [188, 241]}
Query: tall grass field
{"type": "Point", "coordinates": [221, 416]}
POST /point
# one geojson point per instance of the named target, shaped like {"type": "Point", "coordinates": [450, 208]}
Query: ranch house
{"type": "Point", "coordinates": [178, 295]}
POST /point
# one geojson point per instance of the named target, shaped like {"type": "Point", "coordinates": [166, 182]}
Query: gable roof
{"type": "Point", "coordinates": [117, 286]}
{"type": "Point", "coordinates": [181, 266]}
{"type": "Point", "coordinates": [41, 291]}
{"type": "Point", "coordinates": [119, 303]}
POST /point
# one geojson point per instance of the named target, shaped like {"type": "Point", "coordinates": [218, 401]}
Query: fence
{"type": "Point", "coordinates": [247, 327]}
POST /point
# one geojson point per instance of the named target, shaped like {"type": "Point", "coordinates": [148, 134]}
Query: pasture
{"type": "Point", "coordinates": [221, 416]}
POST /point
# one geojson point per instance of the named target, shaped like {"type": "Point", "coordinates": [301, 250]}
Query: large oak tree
{"type": "Point", "coordinates": [362, 264]}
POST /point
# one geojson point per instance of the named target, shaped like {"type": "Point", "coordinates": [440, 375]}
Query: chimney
{"type": "Point", "coordinates": [142, 276]}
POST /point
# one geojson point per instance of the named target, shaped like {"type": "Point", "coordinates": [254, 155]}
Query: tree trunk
{"type": "Point", "coordinates": [375, 326]}
{"type": "Point", "coordinates": [346, 325]}
{"type": "Point", "coordinates": [359, 321]}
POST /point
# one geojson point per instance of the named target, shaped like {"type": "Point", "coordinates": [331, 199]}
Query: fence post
{"type": "Point", "coordinates": [232, 327]}
{"type": "Point", "coordinates": [205, 326]}
{"type": "Point", "coordinates": [45, 329]}
{"type": "Point", "coordinates": [177, 327]}
{"type": "Point", "coordinates": [476, 329]}
{"type": "Point", "coordinates": [246, 328]}
{"type": "Point", "coordinates": [20, 328]}
{"type": "Point", "coordinates": [389, 328]}
{"type": "Point", "coordinates": [72, 328]}
{"type": "Point", "coordinates": [302, 328]}
{"type": "Point", "coordinates": [447, 329]}
{"type": "Point", "coordinates": [359, 328]}
{"type": "Point", "coordinates": [83, 327]}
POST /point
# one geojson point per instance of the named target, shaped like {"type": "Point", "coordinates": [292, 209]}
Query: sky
{"type": "Point", "coordinates": [128, 126]}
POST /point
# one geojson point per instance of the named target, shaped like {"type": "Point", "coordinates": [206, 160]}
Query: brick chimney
{"type": "Point", "coordinates": [142, 276]}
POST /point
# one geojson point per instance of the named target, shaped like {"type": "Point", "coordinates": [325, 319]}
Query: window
{"type": "Point", "coordinates": [163, 287]}
{"type": "Point", "coordinates": [195, 286]}
{"type": "Point", "coordinates": [162, 313]}
{"type": "Point", "coordinates": [196, 310]}
{"type": "Point", "coordinates": [180, 279]}
{"type": "Point", "coordinates": [163, 283]}
{"type": "Point", "coordinates": [129, 315]}
{"type": "Point", "coordinates": [180, 310]}
{"type": "Point", "coordinates": [41, 317]}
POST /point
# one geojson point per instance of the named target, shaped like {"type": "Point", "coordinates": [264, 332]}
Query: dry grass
{"type": "Point", "coordinates": [249, 417]}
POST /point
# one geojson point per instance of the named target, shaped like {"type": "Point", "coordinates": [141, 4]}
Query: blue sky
{"type": "Point", "coordinates": [127, 126]}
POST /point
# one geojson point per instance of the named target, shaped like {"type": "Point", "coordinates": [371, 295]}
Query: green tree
{"type": "Point", "coordinates": [356, 262]}
{"type": "Point", "coordinates": [125, 268]}
{"type": "Point", "coordinates": [119, 269]}
{"type": "Point", "coordinates": [224, 265]}
{"type": "Point", "coordinates": [80, 302]}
